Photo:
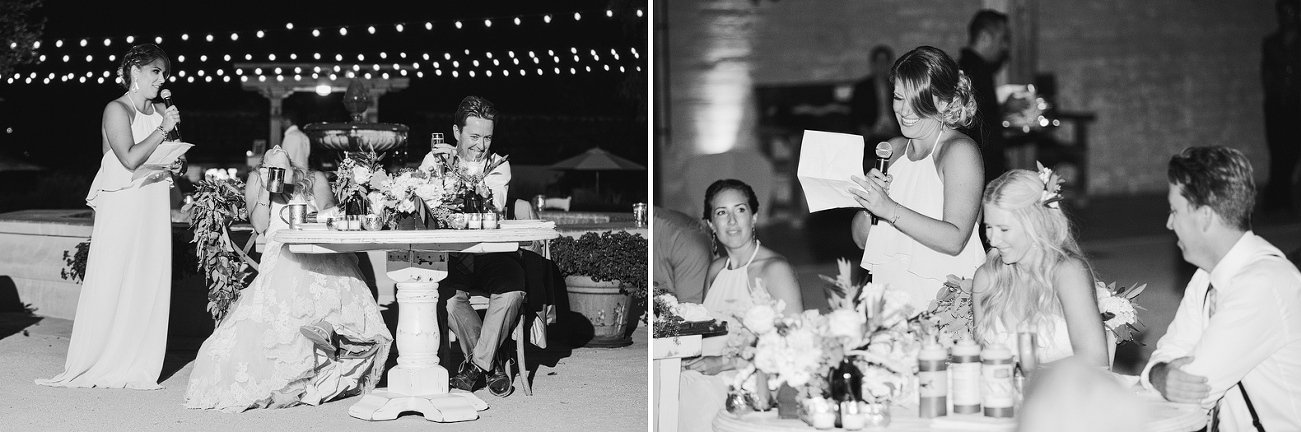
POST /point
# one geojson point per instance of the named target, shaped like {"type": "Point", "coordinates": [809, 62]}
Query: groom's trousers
{"type": "Point", "coordinates": [498, 276]}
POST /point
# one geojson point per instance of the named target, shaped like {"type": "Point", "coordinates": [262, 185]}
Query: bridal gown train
{"type": "Point", "coordinates": [258, 358]}
{"type": "Point", "coordinates": [119, 334]}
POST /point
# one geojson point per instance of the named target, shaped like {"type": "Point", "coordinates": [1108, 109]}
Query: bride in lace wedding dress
{"type": "Point", "coordinates": [307, 329]}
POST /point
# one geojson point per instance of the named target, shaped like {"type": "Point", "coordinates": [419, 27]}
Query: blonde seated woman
{"type": "Point", "coordinates": [731, 209]}
{"type": "Point", "coordinates": [307, 329]}
{"type": "Point", "coordinates": [1035, 274]}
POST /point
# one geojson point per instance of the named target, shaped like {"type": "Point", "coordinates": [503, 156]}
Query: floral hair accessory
{"type": "Point", "coordinates": [1052, 192]}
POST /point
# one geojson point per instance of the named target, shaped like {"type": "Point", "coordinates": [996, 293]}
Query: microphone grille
{"type": "Point", "coordinates": [165, 93]}
{"type": "Point", "coordinates": [884, 150]}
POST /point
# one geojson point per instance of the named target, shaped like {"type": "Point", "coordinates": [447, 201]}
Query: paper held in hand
{"type": "Point", "coordinates": [827, 161]}
{"type": "Point", "coordinates": [161, 159]}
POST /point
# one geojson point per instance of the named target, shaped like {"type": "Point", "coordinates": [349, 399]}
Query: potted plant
{"type": "Point", "coordinates": [606, 278]}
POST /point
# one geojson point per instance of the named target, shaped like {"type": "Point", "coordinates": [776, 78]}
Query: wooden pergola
{"type": "Point", "coordinates": [276, 81]}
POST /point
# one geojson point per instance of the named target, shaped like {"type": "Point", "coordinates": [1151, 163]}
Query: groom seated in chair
{"type": "Point", "coordinates": [1234, 346]}
{"type": "Point", "coordinates": [498, 276]}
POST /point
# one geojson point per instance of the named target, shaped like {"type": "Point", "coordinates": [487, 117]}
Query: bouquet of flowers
{"type": "Point", "coordinates": [797, 351]}
{"type": "Point", "coordinates": [358, 176]}
{"type": "Point", "coordinates": [471, 191]}
{"type": "Point", "coordinates": [887, 354]}
{"type": "Point", "coordinates": [949, 317]}
{"type": "Point", "coordinates": [413, 192]}
{"type": "Point", "coordinates": [1119, 313]}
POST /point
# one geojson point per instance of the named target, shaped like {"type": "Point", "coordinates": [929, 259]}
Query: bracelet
{"type": "Point", "coordinates": [162, 132]}
{"type": "Point", "coordinates": [897, 208]}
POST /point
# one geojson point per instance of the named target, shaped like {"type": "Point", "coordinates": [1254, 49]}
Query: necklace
{"type": "Point", "coordinates": [753, 252]}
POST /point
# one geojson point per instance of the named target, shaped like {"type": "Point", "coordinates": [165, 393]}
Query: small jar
{"type": "Point", "coordinates": [372, 223]}
{"type": "Point", "coordinates": [459, 221]}
{"type": "Point", "coordinates": [490, 220]}
{"type": "Point", "coordinates": [331, 223]}
{"type": "Point", "coordinates": [474, 220]}
{"type": "Point", "coordinates": [354, 223]}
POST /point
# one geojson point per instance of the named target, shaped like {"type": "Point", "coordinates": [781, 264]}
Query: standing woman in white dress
{"type": "Point", "coordinates": [731, 210]}
{"type": "Point", "coordinates": [929, 202]}
{"type": "Point", "coordinates": [1035, 274]}
{"type": "Point", "coordinates": [119, 334]}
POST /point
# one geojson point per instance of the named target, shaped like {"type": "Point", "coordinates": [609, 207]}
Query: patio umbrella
{"type": "Point", "coordinates": [596, 159]}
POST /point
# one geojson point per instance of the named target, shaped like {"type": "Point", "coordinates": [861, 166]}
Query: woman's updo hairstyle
{"type": "Point", "coordinates": [139, 56]}
{"type": "Point", "coordinates": [928, 74]}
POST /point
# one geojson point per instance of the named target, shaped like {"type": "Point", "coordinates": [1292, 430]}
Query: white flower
{"type": "Point", "coordinates": [430, 192]}
{"type": "Point", "coordinates": [1122, 310]}
{"type": "Point", "coordinates": [406, 206]}
{"type": "Point", "coordinates": [759, 319]}
{"type": "Point", "coordinates": [361, 175]}
{"type": "Point", "coordinates": [848, 324]}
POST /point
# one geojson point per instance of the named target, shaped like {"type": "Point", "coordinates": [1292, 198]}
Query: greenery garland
{"type": "Point", "coordinates": [216, 205]}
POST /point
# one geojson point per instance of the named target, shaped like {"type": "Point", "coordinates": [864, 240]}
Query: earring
{"type": "Point", "coordinates": [135, 86]}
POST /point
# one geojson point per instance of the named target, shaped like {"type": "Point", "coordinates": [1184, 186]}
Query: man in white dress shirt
{"type": "Point", "coordinates": [1234, 346]}
{"type": "Point", "coordinates": [499, 276]}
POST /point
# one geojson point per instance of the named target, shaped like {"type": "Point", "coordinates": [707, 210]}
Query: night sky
{"type": "Point", "coordinates": [544, 118]}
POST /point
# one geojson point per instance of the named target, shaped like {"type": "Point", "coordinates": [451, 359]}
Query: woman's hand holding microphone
{"type": "Point", "coordinates": [874, 195]}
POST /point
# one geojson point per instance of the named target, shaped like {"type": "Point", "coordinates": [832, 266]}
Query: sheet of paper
{"type": "Point", "coordinates": [827, 161]}
{"type": "Point", "coordinates": [161, 159]}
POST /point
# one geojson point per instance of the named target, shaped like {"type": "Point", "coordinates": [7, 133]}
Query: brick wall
{"type": "Point", "coordinates": [1160, 75]}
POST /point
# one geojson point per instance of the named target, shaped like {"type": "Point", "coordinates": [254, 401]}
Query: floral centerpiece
{"type": "Point", "coordinates": [871, 326]}
{"type": "Point", "coordinates": [429, 195]}
{"type": "Point", "coordinates": [1119, 313]}
{"type": "Point", "coordinates": [358, 175]}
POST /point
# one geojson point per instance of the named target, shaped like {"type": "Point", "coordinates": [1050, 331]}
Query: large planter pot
{"type": "Point", "coordinates": [605, 307]}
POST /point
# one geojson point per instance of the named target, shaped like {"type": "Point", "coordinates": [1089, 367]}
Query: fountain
{"type": "Point", "coordinates": [358, 135]}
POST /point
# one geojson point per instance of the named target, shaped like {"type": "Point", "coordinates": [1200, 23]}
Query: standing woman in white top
{"type": "Point", "coordinates": [929, 202]}
{"type": "Point", "coordinates": [119, 334]}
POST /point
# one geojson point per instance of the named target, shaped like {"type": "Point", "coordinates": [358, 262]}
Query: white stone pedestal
{"type": "Point", "coordinates": [418, 383]}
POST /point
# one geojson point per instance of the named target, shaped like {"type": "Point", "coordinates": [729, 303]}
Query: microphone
{"type": "Point", "coordinates": [175, 134]}
{"type": "Point", "coordinates": [883, 152]}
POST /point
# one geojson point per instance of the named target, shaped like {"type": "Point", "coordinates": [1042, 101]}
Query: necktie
{"type": "Point", "coordinates": [1210, 311]}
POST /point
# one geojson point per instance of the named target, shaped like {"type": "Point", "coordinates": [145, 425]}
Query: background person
{"type": "Point", "coordinates": [682, 254]}
{"type": "Point", "coordinates": [986, 52]}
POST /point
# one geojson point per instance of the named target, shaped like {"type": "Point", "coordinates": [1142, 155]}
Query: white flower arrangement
{"type": "Point", "coordinates": [1052, 193]}
{"type": "Point", "coordinates": [1119, 313]}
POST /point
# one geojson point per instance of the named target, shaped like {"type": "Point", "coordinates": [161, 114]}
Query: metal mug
{"type": "Point", "coordinates": [275, 179]}
{"type": "Point", "coordinates": [539, 201]}
{"type": "Point", "coordinates": [297, 214]}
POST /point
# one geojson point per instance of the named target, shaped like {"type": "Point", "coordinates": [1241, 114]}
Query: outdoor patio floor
{"type": "Point", "coordinates": [573, 389]}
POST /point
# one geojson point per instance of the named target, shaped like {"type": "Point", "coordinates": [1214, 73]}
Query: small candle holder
{"type": "Point", "coordinates": [372, 223]}
{"type": "Point", "coordinates": [489, 220]}
{"type": "Point", "coordinates": [459, 221]}
{"type": "Point", "coordinates": [354, 223]}
{"type": "Point", "coordinates": [474, 220]}
{"type": "Point", "coordinates": [331, 223]}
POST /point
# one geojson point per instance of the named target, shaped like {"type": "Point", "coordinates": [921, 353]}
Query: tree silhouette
{"type": "Point", "coordinates": [19, 31]}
